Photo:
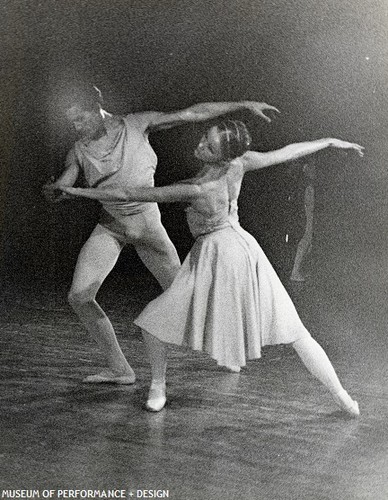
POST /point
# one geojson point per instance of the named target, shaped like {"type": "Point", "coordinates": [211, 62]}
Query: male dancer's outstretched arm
{"type": "Point", "coordinates": [207, 111]}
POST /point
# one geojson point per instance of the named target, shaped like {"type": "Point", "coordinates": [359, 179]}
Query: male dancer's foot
{"type": "Point", "coordinates": [156, 396]}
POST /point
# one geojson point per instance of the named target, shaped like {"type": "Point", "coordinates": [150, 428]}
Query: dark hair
{"type": "Point", "coordinates": [87, 96]}
{"type": "Point", "coordinates": [235, 139]}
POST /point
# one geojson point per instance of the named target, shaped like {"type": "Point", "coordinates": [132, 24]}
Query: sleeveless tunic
{"type": "Point", "coordinates": [123, 157]}
{"type": "Point", "coordinates": [226, 299]}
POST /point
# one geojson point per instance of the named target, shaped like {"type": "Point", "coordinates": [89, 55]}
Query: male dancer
{"type": "Point", "coordinates": [114, 151]}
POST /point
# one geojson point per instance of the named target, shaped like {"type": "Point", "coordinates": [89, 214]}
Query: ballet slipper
{"type": "Point", "coordinates": [346, 403]}
{"type": "Point", "coordinates": [109, 377]}
{"type": "Point", "coordinates": [156, 396]}
{"type": "Point", "coordinates": [231, 368]}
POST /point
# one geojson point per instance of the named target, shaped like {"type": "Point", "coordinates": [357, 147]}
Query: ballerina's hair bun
{"type": "Point", "coordinates": [235, 139]}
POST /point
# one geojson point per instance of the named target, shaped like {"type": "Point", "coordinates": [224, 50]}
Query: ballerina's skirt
{"type": "Point", "coordinates": [226, 300]}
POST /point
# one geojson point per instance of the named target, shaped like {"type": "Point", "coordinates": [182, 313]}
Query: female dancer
{"type": "Point", "coordinates": [226, 299]}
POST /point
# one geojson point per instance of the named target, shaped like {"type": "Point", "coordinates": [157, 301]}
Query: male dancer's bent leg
{"type": "Point", "coordinates": [96, 260]}
{"type": "Point", "coordinates": [156, 250]}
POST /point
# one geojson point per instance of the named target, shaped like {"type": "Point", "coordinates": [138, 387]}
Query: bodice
{"type": "Point", "coordinates": [200, 223]}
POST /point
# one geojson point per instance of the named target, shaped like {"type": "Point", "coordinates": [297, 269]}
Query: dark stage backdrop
{"type": "Point", "coordinates": [324, 63]}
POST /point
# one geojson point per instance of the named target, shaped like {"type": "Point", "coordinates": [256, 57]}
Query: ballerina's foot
{"type": "Point", "coordinates": [156, 397]}
{"type": "Point", "coordinates": [110, 377]}
{"type": "Point", "coordinates": [231, 368]}
{"type": "Point", "coordinates": [347, 404]}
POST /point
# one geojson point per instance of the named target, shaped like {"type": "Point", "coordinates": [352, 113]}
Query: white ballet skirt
{"type": "Point", "coordinates": [226, 299]}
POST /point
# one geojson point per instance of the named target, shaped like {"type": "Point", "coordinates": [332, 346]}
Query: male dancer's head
{"type": "Point", "coordinates": [84, 111]}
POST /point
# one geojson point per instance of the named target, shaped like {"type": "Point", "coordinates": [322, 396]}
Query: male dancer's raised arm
{"type": "Point", "coordinates": [207, 111]}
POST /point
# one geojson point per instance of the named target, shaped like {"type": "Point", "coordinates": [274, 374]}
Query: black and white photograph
{"type": "Point", "coordinates": [194, 249]}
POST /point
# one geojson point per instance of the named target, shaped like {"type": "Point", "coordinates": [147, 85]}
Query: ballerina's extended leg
{"type": "Point", "coordinates": [316, 361]}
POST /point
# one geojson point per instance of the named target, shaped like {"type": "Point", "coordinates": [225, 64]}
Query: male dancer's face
{"type": "Point", "coordinates": [88, 124]}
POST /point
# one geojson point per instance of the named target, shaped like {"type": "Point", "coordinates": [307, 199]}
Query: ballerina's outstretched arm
{"type": "Point", "coordinates": [166, 194]}
{"type": "Point", "coordinates": [253, 160]}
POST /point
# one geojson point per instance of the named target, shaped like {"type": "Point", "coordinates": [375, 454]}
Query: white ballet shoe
{"type": "Point", "coordinates": [346, 403]}
{"type": "Point", "coordinates": [156, 397]}
{"type": "Point", "coordinates": [231, 368]}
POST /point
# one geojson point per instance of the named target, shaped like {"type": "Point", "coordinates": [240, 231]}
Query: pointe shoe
{"type": "Point", "coordinates": [346, 403]}
{"type": "Point", "coordinates": [156, 397]}
{"type": "Point", "coordinates": [109, 378]}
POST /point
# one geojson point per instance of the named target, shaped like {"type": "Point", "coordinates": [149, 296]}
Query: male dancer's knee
{"type": "Point", "coordinates": [162, 259]}
{"type": "Point", "coordinates": [169, 265]}
{"type": "Point", "coordinates": [78, 299]}
{"type": "Point", "coordinates": [167, 275]}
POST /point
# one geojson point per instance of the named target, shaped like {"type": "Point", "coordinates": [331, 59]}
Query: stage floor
{"type": "Point", "coordinates": [270, 432]}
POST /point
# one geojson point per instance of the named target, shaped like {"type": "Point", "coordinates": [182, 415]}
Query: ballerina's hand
{"type": "Point", "coordinates": [348, 145]}
{"type": "Point", "coordinates": [71, 190]}
{"type": "Point", "coordinates": [80, 192]}
{"type": "Point", "coordinates": [91, 193]}
{"type": "Point", "coordinates": [258, 108]}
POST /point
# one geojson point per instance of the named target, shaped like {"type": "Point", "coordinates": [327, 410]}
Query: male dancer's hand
{"type": "Point", "coordinates": [338, 143]}
{"type": "Point", "coordinates": [52, 192]}
{"type": "Point", "coordinates": [258, 109]}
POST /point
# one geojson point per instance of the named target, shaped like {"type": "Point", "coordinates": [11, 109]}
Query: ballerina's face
{"type": "Point", "coordinates": [209, 149]}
